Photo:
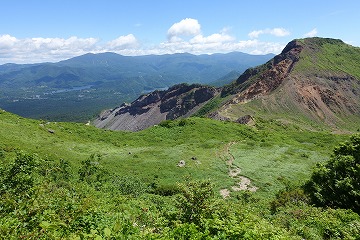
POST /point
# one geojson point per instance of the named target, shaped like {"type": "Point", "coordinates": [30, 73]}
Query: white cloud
{"type": "Point", "coordinates": [312, 33]}
{"type": "Point", "coordinates": [31, 50]}
{"type": "Point", "coordinates": [123, 42]}
{"type": "Point", "coordinates": [278, 32]}
{"type": "Point", "coordinates": [204, 47]}
{"type": "Point", "coordinates": [214, 38]}
{"type": "Point", "coordinates": [7, 41]}
{"type": "Point", "coordinates": [186, 27]}
{"type": "Point", "coordinates": [255, 34]}
{"type": "Point", "coordinates": [72, 43]}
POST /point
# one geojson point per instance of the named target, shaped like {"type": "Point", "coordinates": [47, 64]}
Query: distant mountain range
{"type": "Point", "coordinates": [314, 83]}
{"type": "Point", "coordinates": [78, 88]}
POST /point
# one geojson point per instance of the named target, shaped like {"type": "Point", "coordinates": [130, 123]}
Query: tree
{"type": "Point", "coordinates": [336, 183]}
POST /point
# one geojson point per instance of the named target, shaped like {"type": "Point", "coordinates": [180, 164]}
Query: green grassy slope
{"type": "Point", "coordinates": [144, 195]}
{"type": "Point", "coordinates": [324, 55]}
{"type": "Point", "coordinates": [155, 152]}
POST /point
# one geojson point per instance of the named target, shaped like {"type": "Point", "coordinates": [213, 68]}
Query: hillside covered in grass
{"type": "Point", "coordinates": [72, 181]}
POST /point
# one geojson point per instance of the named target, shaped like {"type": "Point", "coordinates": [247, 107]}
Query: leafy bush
{"type": "Point", "coordinates": [289, 196]}
{"type": "Point", "coordinates": [21, 176]}
{"type": "Point", "coordinates": [2, 154]}
{"type": "Point", "coordinates": [128, 185]}
{"type": "Point", "coordinates": [336, 183]}
{"type": "Point", "coordinates": [167, 124]}
{"type": "Point", "coordinates": [91, 171]}
{"type": "Point", "coordinates": [194, 200]}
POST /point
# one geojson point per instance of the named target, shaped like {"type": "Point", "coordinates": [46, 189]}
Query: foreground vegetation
{"type": "Point", "coordinates": [71, 181]}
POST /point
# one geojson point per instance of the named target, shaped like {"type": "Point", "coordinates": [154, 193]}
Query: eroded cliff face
{"type": "Point", "coordinates": [305, 81]}
{"type": "Point", "coordinates": [269, 78]}
{"type": "Point", "coordinates": [323, 95]}
{"type": "Point", "coordinates": [150, 109]}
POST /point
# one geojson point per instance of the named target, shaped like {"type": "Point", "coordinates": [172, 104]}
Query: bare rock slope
{"type": "Point", "coordinates": [314, 80]}
{"type": "Point", "coordinates": [150, 109]}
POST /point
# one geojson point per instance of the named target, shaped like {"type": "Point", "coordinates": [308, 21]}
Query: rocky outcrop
{"type": "Point", "coordinates": [270, 78]}
{"type": "Point", "coordinates": [307, 80]}
{"type": "Point", "coordinates": [150, 109]}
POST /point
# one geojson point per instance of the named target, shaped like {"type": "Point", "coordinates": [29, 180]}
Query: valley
{"type": "Point", "coordinates": [78, 89]}
{"type": "Point", "coordinates": [273, 154]}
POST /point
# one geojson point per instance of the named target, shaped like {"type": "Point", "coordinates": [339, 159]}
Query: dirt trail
{"type": "Point", "coordinates": [234, 172]}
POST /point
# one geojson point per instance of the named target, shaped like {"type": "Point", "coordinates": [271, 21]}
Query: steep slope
{"type": "Point", "coordinates": [150, 109]}
{"type": "Point", "coordinates": [314, 81]}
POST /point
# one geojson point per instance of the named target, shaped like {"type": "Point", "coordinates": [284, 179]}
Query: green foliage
{"type": "Point", "coordinates": [129, 186]}
{"type": "Point", "coordinates": [210, 106]}
{"type": "Point", "coordinates": [121, 196]}
{"type": "Point", "coordinates": [20, 178]}
{"type": "Point", "coordinates": [289, 196]}
{"type": "Point", "coordinates": [194, 200]}
{"type": "Point", "coordinates": [2, 154]}
{"type": "Point", "coordinates": [307, 222]}
{"type": "Point", "coordinates": [91, 171]}
{"type": "Point", "coordinates": [336, 183]}
{"type": "Point", "coordinates": [167, 124]}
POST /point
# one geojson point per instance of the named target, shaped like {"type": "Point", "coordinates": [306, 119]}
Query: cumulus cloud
{"type": "Point", "coordinates": [30, 50]}
{"type": "Point", "coordinates": [214, 38]}
{"type": "Point", "coordinates": [7, 41]}
{"type": "Point", "coordinates": [123, 42]}
{"type": "Point", "coordinates": [312, 33]}
{"type": "Point", "coordinates": [278, 32]}
{"type": "Point", "coordinates": [186, 27]}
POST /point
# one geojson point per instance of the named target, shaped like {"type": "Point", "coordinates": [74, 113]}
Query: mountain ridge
{"type": "Point", "coordinates": [305, 80]}
{"type": "Point", "coordinates": [38, 90]}
{"type": "Point", "coordinates": [313, 82]}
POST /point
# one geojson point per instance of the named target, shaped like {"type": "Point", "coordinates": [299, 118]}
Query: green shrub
{"type": "Point", "coordinates": [91, 171]}
{"type": "Point", "coordinates": [194, 200]}
{"type": "Point", "coordinates": [21, 176]}
{"type": "Point", "coordinates": [129, 185]}
{"type": "Point", "coordinates": [167, 124]}
{"type": "Point", "coordinates": [336, 183]}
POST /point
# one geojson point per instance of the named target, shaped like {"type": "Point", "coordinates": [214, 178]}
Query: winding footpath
{"type": "Point", "coordinates": [243, 183]}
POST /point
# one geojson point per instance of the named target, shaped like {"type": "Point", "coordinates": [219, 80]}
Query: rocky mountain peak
{"type": "Point", "coordinates": [316, 78]}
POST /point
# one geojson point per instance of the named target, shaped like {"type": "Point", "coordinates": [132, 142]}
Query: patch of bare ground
{"type": "Point", "coordinates": [244, 184]}
{"type": "Point", "coordinates": [234, 172]}
{"type": "Point", "coordinates": [225, 193]}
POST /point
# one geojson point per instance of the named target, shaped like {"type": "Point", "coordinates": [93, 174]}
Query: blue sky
{"type": "Point", "coordinates": [53, 30]}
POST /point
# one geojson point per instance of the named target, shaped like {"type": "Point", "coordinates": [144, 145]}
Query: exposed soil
{"type": "Point", "coordinates": [225, 193]}
{"type": "Point", "coordinates": [234, 172]}
{"type": "Point", "coordinates": [324, 96]}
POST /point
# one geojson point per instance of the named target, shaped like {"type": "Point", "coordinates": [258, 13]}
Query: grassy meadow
{"type": "Point", "coordinates": [88, 183]}
{"type": "Point", "coordinates": [155, 152]}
